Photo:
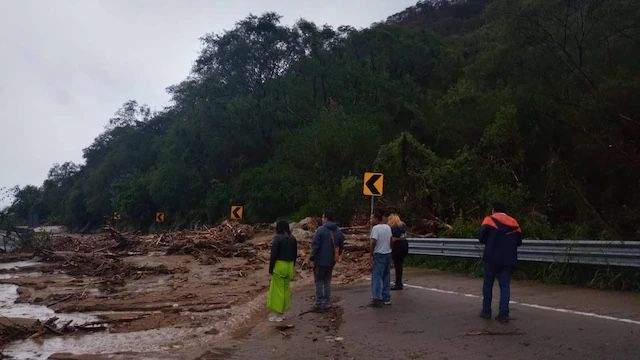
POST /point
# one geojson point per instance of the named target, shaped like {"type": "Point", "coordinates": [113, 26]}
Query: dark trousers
{"type": "Point", "coordinates": [398, 260]}
{"type": "Point", "coordinates": [322, 277]}
{"type": "Point", "coordinates": [503, 274]}
{"type": "Point", "coordinates": [400, 251]}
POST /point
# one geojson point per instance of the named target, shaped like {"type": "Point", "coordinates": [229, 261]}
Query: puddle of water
{"type": "Point", "coordinates": [9, 308]}
{"type": "Point", "coordinates": [15, 265]}
{"type": "Point", "coordinates": [157, 340]}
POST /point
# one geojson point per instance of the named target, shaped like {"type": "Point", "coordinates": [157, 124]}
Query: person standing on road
{"type": "Point", "coordinates": [501, 236]}
{"type": "Point", "coordinates": [284, 251]}
{"type": "Point", "coordinates": [381, 261]}
{"type": "Point", "coordinates": [326, 248]}
{"type": "Point", "coordinates": [399, 247]}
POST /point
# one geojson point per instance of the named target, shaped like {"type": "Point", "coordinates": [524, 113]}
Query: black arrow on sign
{"type": "Point", "coordinates": [235, 212]}
{"type": "Point", "coordinates": [370, 184]}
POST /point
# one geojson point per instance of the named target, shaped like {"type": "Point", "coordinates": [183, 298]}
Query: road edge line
{"type": "Point", "coordinates": [534, 306]}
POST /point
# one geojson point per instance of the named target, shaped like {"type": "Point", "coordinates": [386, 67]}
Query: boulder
{"type": "Point", "coordinates": [308, 224]}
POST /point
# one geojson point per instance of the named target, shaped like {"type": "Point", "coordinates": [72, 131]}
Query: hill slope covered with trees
{"type": "Point", "coordinates": [534, 103]}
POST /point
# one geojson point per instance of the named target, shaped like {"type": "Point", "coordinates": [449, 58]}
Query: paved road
{"type": "Point", "coordinates": [437, 318]}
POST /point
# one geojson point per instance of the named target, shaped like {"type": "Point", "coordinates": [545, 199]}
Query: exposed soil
{"type": "Point", "coordinates": [184, 294]}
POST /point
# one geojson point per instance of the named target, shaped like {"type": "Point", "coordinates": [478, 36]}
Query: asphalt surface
{"type": "Point", "coordinates": [437, 318]}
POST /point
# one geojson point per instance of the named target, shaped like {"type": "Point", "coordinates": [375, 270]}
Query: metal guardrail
{"type": "Point", "coordinates": [618, 253]}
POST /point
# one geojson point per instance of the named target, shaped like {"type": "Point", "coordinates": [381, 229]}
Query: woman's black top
{"type": "Point", "coordinates": [398, 231]}
{"type": "Point", "coordinates": [283, 247]}
{"type": "Point", "coordinates": [400, 246]}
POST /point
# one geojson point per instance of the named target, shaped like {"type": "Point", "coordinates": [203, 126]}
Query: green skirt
{"type": "Point", "coordinates": [279, 297]}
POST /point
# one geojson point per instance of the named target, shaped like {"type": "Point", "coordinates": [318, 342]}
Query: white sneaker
{"type": "Point", "coordinates": [276, 318]}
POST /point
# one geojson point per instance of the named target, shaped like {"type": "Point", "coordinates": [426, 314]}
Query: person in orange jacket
{"type": "Point", "coordinates": [501, 236]}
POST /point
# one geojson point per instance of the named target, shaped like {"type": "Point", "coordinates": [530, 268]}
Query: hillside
{"type": "Point", "coordinates": [461, 103]}
{"type": "Point", "coordinates": [444, 17]}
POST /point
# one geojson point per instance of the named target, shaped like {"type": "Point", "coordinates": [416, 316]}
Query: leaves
{"type": "Point", "coordinates": [534, 103]}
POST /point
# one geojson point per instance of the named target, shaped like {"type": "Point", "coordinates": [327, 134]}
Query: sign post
{"type": "Point", "coordinates": [373, 185]}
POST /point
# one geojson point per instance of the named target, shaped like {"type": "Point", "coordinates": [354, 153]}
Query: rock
{"type": "Point", "coordinates": [24, 294]}
{"type": "Point", "coordinates": [308, 224]}
{"type": "Point", "coordinates": [301, 234]}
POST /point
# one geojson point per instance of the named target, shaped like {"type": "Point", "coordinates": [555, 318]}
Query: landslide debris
{"type": "Point", "coordinates": [101, 255]}
{"type": "Point", "coordinates": [190, 278]}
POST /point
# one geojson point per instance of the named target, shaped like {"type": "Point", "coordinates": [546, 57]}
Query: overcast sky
{"type": "Point", "coordinates": [66, 66]}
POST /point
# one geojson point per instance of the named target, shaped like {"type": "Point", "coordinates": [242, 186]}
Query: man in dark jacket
{"type": "Point", "coordinates": [501, 236]}
{"type": "Point", "coordinates": [328, 243]}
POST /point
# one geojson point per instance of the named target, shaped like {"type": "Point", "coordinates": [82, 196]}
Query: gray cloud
{"type": "Point", "coordinates": [66, 66]}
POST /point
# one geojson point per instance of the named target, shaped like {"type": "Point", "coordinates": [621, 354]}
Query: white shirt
{"type": "Point", "coordinates": [382, 234]}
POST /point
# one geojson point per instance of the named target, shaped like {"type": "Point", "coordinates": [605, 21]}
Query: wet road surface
{"type": "Point", "coordinates": [436, 317]}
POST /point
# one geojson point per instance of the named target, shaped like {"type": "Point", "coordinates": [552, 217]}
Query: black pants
{"type": "Point", "coordinates": [400, 251]}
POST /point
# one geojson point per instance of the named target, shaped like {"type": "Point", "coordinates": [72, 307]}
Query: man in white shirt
{"type": "Point", "coordinates": [381, 261]}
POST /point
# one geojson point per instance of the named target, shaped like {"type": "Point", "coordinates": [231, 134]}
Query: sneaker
{"type": "Point", "coordinates": [502, 318]}
{"type": "Point", "coordinates": [388, 302]}
{"type": "Point", "coordinates": [396, 287]}
{"type": "Point", "coordinates": [485, 315]}
{"type": "Point", "coordinates": [376, 303]}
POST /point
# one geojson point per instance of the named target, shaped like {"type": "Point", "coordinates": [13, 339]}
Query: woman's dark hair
{"type": "Point", "coordinates": [282, 227]}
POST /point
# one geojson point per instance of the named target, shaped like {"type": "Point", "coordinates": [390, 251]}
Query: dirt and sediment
{"type": "Point", "coordinates": [184, 294]}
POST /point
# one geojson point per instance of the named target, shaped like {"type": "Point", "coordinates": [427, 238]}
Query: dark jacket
{"type": "Point", "coordinates": [400, 245]}
{"type": "Point", "coordinates": [501, 236]}
{"type": "Point", "coordinates": [326, 238]}
{"type": "Point", "coordinates": [398, 231]}
{"type": "Point", "coordinates": [283, 247]}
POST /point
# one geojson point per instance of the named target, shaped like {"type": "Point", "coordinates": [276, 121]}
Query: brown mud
{"type": "Point", "coordinates": [187, 294]}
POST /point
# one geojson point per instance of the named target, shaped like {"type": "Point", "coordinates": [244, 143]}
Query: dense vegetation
{"type": "Point", "coordinates": [534, 103]}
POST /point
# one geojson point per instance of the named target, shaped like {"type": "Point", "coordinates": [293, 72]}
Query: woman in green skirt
{"type": "Point", "coordinates": [284, 251]}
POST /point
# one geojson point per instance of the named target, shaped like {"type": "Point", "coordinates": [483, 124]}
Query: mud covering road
{"type": "Point", "coordinates": [180, 295]}
{"type": "Point", "coordinates": [437, 318]}
{"type": "Point", "coordinates": [200, 295]}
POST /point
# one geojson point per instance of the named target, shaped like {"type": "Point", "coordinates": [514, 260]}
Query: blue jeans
{"type": "Point", "coordinates": [503, 274]}
{"type": "Point", "coordinates": [380, 279]}
{"type": "Point", "coordinates": [322, 277]}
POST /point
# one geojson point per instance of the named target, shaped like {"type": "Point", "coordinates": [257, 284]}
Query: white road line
{"type": "Point", "coordinates": [535, 306]}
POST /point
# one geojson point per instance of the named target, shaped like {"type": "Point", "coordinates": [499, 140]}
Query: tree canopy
{"type": "Point", "coordinates": [533, 103]}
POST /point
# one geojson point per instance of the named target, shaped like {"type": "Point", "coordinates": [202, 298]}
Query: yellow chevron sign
{"type": "Point", "coordinates": [237, 212]}
{"type": "Point", "coordinates": [373, 184]}
{"type": "Point", "coordinates": [160, 217]}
